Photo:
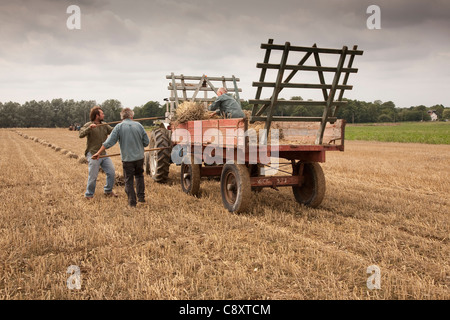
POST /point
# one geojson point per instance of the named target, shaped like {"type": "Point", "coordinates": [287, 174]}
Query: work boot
{"type": "Point", "coordinates": [111, 194]}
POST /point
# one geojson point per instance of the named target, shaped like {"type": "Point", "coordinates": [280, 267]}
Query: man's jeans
{"type": "Point", "coordinates": [94, 166]}
{"type": "Point", "coordinates": [131, 170]}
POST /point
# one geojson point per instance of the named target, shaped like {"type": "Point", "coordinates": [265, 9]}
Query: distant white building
{"type": "Point", "coordinates": [433, 115]}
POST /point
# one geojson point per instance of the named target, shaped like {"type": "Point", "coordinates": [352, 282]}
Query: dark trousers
{"type": "Point", "coordinates": [131, 170]}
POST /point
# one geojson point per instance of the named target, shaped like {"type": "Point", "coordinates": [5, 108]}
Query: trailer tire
{"type": "Point", "coordinates": [312, 190]}
{"type": "Point", "coordinates": [157, 162]}
{"type": "Point", "coordinates": [190, 176]}
{"type": "Point", "coordinates": [235, 187]}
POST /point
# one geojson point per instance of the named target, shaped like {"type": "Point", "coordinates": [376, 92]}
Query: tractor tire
{"type": "Point", "coordinates": [235, 187]}
{"type": "Point", "coordinates": [190, 176]}
{"type": "Point", "coordinates": [312, 190]}
{"type": "Point", "coordinates": [157, 162]}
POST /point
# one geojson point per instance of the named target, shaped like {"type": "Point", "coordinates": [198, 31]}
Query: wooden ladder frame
{"type": "Point", "coordinates": [197, 84]}
{"type": "Point", "coordinates": [268, 106]}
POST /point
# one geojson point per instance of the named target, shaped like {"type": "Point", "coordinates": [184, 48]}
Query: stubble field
{"type": "Point", "coordinates": [386, 204]}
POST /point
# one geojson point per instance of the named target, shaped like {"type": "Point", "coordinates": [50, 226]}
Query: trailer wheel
{"type": "Point", "coordinates": [235, 187]}
{"type": "Point", "coordinates": [190, 177]}
{"type": "Point", "coordinates": [157, 162]}
{"type": "Point", "coordinates": [312, 190]}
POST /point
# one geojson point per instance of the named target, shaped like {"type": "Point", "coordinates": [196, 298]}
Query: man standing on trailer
{"type": "Point", "coordinates": [132, 140]}
{"type": "Point", "coordinates": [225, 105]}
{"type": "Point", "coordinates": [96, 135]}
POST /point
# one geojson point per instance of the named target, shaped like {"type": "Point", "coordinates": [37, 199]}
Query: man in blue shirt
{"type": "Point", "coordinates": [225, 105]}
{"type": "Point", "coordinates": [132, 140]}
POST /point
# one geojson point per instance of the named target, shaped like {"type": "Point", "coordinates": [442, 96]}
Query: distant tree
{"type": "Point", "coordinates": [350, 112]}
{"type": "Point", "coordinates": [148, 110]}
{"type": "Point", "coordinates": [388, 109]}
{"type": "Point", "coordinates": [112, 108]}
{"type": "Point", "coordinates": [83, 109]}
{"type": "Point", "coordinates": [9, 115]}
{"type": "Point", "coordinates": [299, 111]}
{"type": "Point", "coordinates": [423, 112]}
{"type": "Point", "coordinates": [62, 113]}
{"type": "Point", "coordinates": [446, 114]}
{"type": "Point", "coordinates": [415, 115]}
{"type": "Point", "coordinates": [36, 114]}
{"type": "Point", "coordinates": [246, 105]}
{"type": "Point", "coordinates": [384, 118]}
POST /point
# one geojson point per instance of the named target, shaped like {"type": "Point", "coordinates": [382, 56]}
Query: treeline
{"type": "Point", "coordinates": [364, 112]}
{"type": "Point", "coordinates": [63, 113]}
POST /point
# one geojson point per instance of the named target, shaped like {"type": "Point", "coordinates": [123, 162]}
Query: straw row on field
{"type": "Point", "coordinates": [68, 153]}
{"type": "Point", "coordinates": [119, 179]}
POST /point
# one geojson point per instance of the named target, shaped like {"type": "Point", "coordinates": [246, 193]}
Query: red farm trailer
{"type": "Point", "coordinates": [285, 152]}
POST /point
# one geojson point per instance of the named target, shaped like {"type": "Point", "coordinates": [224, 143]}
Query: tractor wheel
{"type": "Point", "coordinates": [190, 176]}
{"type": "Point", "coordinates": [312, 190]}
{"type": "Point", "coordinates": [235, 187]}
{"type": "Point", "coordinates": [157, 162]}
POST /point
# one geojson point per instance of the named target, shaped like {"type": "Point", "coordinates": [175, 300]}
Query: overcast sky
{"type": "Point", "coordinates": [125, 49]}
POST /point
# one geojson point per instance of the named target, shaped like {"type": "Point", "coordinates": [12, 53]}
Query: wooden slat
{"type": "Point", "coordinates": [310, 49]}
{"type": "Point", "coordinates": [198, 87]}
{"type": "Point", "coordinates": [277, 90]}
{"type": "Point", "coordinates": [305, 68]}
{"type": "Point", "coordinates": [291, 119]}
{"type": "Point", "coordinates": [298, 102]}
{"type": "Point", "coordinates": [211, 85]}
{"type": "Point", "coordinates": [321, 76]}
{"type": "Point", "coordinates": [175, 91]}
{"type": "Point", "coordinates": [198, 99]}
{"type": "Point", "coordinates": [191, 88]}
{"type": "Point", "coordinates": [198, 78]}
{"type": "Point", "coordinates": [236, 91]}
{"type": "Point", "coordinates": [300, 85]}
{"type": "Point", "coordinates": [330, 103]}
{"type": "Point", "coordinates": [184, 87]}
{"type": "Point", "coordinates": [347, 75]}
{"type": "Point", "coordinates": [261, 78]}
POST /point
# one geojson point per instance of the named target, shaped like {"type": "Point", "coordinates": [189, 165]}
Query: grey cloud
{"type": "Point", "coordinates": [127, 47]}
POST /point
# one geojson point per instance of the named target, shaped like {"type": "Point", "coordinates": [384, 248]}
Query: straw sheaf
{"type": "Point", "coordinates": [189, 111]}
{"type": "Point", "coordinates": [71, 155]}
{"type": "Point", "coordinates": [83, 160]}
